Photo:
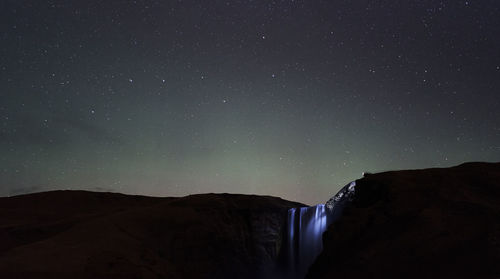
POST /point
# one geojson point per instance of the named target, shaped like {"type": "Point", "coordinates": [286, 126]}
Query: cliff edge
{"type": "Point", "coordinates": [430, 223]}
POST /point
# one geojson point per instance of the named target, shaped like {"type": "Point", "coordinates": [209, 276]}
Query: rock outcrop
{"type": "Point", "coordinates": [76, 234]}
{"type": "Point", "coordinates": [431, 223]}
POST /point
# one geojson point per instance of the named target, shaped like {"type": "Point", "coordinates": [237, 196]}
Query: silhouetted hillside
{"type": "Point", "coordinates": [431, 223]}
{"type": "Point", "coordinates": [77, 234]}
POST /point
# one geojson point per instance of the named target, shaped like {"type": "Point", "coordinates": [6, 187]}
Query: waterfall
{"type": "Point", "coordinates": [305, 231]}
{"type": "Point", "coordinates": [291, 233]}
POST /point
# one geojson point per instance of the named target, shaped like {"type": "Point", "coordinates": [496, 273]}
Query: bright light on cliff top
{"type": "Point", "coordinates": [347, 192]}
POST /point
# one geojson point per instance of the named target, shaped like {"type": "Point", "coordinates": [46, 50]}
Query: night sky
{"type": "Point", "coordinates": [288, 98]}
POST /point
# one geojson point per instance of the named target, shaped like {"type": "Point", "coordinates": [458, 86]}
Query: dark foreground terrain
{"type": "Point", "coordinates": [77, 234]}
{"type": "Point", "coordinates": [432, 223]}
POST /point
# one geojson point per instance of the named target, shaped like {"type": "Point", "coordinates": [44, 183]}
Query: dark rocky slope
{"type": "Point", "coordinates": [431, 223]}
{"type": "Point", "coordinates": [76, 234]}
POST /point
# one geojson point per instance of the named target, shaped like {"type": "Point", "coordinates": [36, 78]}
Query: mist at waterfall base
{"type": "Point", "coordinates": [305, 228]}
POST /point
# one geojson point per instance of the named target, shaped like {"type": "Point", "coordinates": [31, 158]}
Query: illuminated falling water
{"type": "Point", "coordinates": [305, 237]}
{"type": "Point", "coordinates": [291, 232]}
{"type": "Point", "coordinates": [305, 230]}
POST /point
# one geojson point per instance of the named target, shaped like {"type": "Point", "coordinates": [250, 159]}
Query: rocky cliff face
{"type": "Point", "coordinates": [72, 234]}
{"type": "Point", "coordinates": [433, 223]}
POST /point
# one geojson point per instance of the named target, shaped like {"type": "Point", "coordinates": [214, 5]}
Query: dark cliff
{"type": "Point", "coordinates": [431, 223]}
{"type": "Point", "coordinates": [76, 234]}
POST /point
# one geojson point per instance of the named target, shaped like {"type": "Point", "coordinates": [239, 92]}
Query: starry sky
{"type": "Point", "coordinates": [290, 98]}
